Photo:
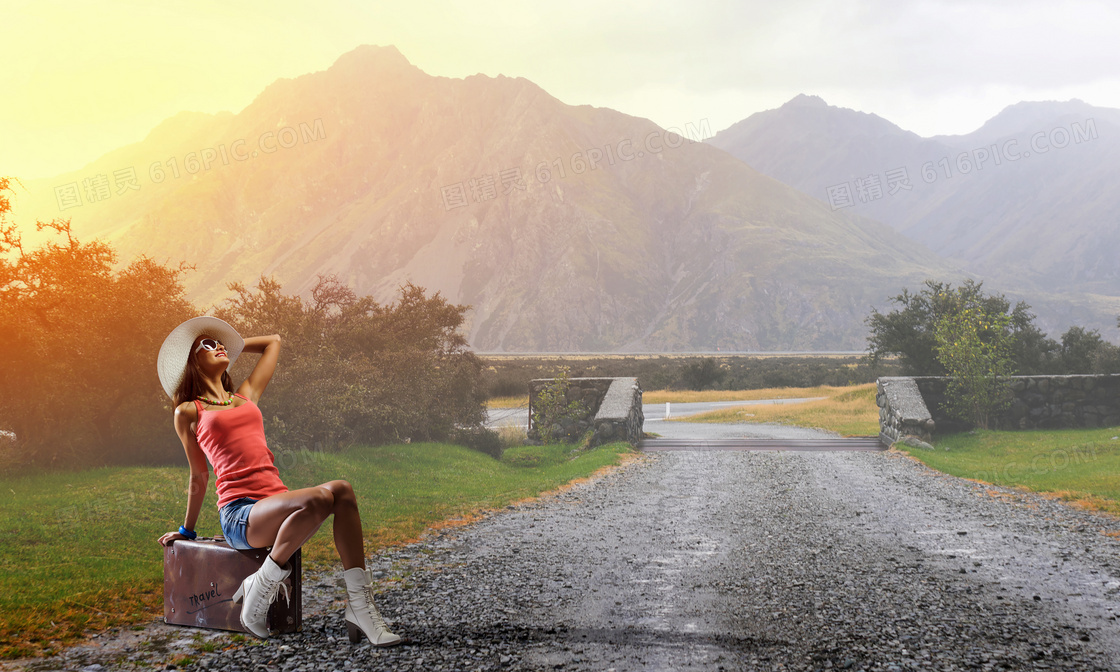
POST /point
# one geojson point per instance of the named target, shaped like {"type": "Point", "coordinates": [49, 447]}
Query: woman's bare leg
{"type": "Point", "coordinates": [286, 521]}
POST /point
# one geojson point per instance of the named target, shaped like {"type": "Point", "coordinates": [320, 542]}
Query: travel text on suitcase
{"type": "Point", "coordinates": [201, 576]}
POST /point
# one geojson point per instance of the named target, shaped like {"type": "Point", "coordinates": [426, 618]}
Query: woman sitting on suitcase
{"type": "Point", "coordinates": [255, 508]}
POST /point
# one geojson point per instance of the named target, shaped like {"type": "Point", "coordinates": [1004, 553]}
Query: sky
{"type": "Point", "coordinates": [80, 79]}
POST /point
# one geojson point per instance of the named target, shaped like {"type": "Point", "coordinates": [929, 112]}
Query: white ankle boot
{"type": "Point", "coordinates": [361, 614]}
{"type": "Point", "coordinates": [258, 591]}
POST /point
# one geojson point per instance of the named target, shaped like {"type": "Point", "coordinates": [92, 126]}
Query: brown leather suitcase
{"type": "Point", "coordinates": [201, 576]}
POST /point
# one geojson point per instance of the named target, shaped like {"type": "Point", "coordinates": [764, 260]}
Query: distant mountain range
{"type": "Point", "coordinates": [1029, 200]}
{"type": "Point", "coordinates": [566, 228]}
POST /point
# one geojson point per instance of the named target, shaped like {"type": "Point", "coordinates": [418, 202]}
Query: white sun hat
{"type": "Point", "coordinates": [176, 348]}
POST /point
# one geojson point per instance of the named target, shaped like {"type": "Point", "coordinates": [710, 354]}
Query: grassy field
{"type": "Point", "coordinates": [850, 411]}
{"type": "Point", "coordinates": [508, 402]}
{"type": "Point", "coordinates": [78, 551]}
{"type": "Point", "coordinates": [690, 396]}
{"type": "Point", "coordinates": [1077, 465]}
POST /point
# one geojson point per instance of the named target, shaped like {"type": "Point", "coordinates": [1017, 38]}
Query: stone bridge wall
{"type": "Point", "coordinates": [613, 409]}
{"type": "Point", "coordinates": [902, 411]}
{"type": "Point", "coordinates": [914, 406]}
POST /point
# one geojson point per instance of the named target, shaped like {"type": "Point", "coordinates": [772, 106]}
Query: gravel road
{"type": "Point", "coordinates": [733, 561]}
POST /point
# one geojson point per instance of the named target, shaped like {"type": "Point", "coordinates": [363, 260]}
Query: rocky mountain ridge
{"type": "Point", "coordinates": [566, 228]}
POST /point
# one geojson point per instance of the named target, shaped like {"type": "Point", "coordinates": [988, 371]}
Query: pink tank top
{"type": "Point", "coordinates": [233, 441]}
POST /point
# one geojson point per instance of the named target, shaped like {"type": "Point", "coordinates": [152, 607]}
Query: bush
{"type": "Point", "coordinates": [554, 417]}
{"type": "Point", "coordinates": [482, 439]}
{"type": "Point", "coordinates": [506, 384]}
{"type": "Point", "coordinates": [701, 374]}
{"type": "Point", "coordinates": [376, 373]}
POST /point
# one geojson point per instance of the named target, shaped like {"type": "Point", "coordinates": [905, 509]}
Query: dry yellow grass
{"type": "Point", "coordinates": [508, 402]}
{"type": "Point", "coordinates": [850, 411]}
{"type": "Point", "coordinates": [692, 396]}
{"type": "Point", "coordinates": [1085, 500]}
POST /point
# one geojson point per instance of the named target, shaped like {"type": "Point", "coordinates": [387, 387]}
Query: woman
{"type": "Point", "coordinates": [256, 509]}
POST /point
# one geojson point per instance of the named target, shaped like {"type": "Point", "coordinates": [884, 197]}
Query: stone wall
{"type": "Point", "coordinates": [620, 416]}
{"type": "Point", "coordinates": [902, 411]}
{"type": "Point", "coordinates": [1041, 402]}
{"type": "Point", "coordinates": [613, 409]}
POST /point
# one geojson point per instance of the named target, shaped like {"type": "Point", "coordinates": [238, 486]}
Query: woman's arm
{"type": "Point", "coordinates": [269, 347]}
{"type": "Point", "coordinates": [200, 473]}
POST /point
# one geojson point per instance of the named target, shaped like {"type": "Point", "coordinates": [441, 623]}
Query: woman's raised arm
{"type": "Point", "coordinates": [269, 347]}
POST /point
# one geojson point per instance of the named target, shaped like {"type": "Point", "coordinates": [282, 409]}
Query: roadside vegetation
{"type": "Point", "coordinates": [80, 335]}
{"type": "Point", "coordinates": [908, 334]}
{"type": "Point", "coordinates": [78, 550]}
{"type": "Point", "coordinates": [1081, 466]}
{"type": "Point", "coordinates": [978, 341]}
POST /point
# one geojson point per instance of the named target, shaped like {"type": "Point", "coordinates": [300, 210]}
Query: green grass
{"type": "Point", "coordinates": [1076, 465]}
{"type": "Point", "coordinates": [79, 550]}
{"type": "Point", "coordinates": [849, 411]}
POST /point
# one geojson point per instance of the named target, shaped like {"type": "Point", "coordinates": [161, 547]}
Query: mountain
{"type": "Point", "coordinates": [566, 228]}
{"type": "Point", "coordinates": [811, 146]}
{"type": "Point", "coordinates": [1029, 116]}
{"type": "Point", "coordinates": [1027, 201]}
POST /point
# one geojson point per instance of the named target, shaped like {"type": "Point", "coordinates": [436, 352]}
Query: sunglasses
{"type": "Point", "coordinates": [208, 344]}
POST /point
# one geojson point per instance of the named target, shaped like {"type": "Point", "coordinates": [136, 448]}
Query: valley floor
{"type": "Point", "coordinates": [735, 561]}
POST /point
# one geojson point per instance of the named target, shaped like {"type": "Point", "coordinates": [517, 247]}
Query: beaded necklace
{"type": "Point", "coordinates": [217, 403]}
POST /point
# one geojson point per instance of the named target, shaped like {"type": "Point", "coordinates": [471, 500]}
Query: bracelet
{"type": "Point", "coordinates": [189, 534]}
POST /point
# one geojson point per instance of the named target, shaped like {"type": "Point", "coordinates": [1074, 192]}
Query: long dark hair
{"type": "Point", "coordinates": [192, 385]}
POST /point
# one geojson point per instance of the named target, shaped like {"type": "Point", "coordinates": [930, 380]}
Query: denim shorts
{"type": "Point", "coordinates": [234, 518]}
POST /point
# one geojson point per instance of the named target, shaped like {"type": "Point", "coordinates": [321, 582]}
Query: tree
{"type": "Point", "coordinates": [975, 349]}
{"type": "Point", "coordinates": [78, 342]}
{"type": "Point", "coordinates": [1106, 359]}
{"type": "Point", "coordinates": [1079, 349]}
{"type": "Point", "coordinates": [354, 370]}
{"type": "Point", "coordinates": [908, 332]}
